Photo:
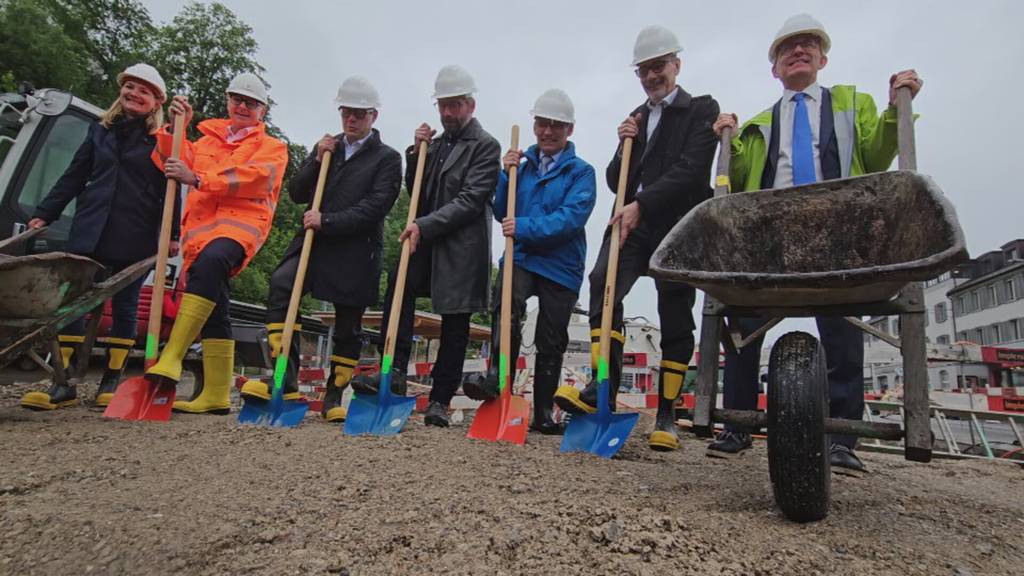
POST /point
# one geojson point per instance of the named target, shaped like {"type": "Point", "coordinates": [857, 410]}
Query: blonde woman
{"type": "Point", "coordinates": [120, 194]}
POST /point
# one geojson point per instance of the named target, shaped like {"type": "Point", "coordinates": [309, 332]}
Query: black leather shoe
{"type": "Point", "coordinates": [844, 461]}
{"type": "Point", "coordinates": [437, 415]}
{"type": "Point", "coordinates": [368, 385]}
{"type": "Point", "coordinates": [729, 444]}
{"type": "Point", "coordinates": [548, 428]}
{"type": "Point", "coordinates": [481, 386]}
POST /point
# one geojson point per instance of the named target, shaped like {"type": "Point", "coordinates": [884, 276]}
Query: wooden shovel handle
{"type": "Point", "coordinates": [307, 247]}
{"type": "Point", "coordinates": [403, 259]}
{"type": "Point", "coordinates": [608, 307]}
{"type": "Point", "coordinates": [156, 304]}
{"type": "Point", "coordinates": [506, 273]}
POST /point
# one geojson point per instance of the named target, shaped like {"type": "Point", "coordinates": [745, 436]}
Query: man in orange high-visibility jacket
{"type": "Point", "coordinates": [235, 171]}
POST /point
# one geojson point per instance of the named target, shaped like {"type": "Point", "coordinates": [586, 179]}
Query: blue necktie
{"type": "Point", "coordinates": [545, 164]}
{"type": "Point", "coordinates": [803, 144]}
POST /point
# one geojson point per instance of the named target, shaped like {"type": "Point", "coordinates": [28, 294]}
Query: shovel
{"type": "Point", "coordinates": [385, 413]}
{"type": "Point", "coordinates": [604, 432]}
{"type": "Point", "coordinates": [277, 412]}
{"type": "Point", "coordinates": [505, 417]}
{"type": "Point", "coordinates": [137, 398]}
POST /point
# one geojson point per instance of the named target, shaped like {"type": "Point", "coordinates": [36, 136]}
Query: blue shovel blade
{"type": "Point", "coordinates": [382, 414]}
{"type": "Point", "coordinates": [600, 434]}
{"type": "Point", "coordinates": [280, 414]}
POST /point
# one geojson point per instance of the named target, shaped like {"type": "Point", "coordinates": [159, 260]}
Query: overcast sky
{"type": "Point", "coordinates": [970, 55]}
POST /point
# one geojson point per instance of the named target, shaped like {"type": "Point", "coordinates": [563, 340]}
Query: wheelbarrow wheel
{"type": "Point", "coordinates": [798, 458]}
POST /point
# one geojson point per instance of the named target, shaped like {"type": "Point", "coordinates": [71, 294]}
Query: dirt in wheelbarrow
{"type": "Point", "coordinates": [203, 495]}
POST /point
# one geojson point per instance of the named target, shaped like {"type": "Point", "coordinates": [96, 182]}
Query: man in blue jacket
{"type": "Point", "coordinates": [555, 194]}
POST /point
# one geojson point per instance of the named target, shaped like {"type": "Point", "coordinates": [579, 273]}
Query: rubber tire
{"type": "Point", "coordinates": [798, 457]}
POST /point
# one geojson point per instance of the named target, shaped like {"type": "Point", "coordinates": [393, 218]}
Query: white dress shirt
{"type": "Point", "coordinates": [353, 147]}
{"type": "Point", "coordinates": [787, 108]}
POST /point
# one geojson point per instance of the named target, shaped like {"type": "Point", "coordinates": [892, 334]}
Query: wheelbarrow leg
{"type": "Point", "coordinates": [81, 366]}
{"type": "Point", "coordinates": [707, 372]}
{"type": "Point", "coordinates": [59, 375]}
{"type": "Point", "coordinates": [917, 420]}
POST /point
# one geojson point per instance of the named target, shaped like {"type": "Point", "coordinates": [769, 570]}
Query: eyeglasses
{"type": "Point", "coordinates": [250, 103]}
{"type": "Point", "coordinates": [359, 113]}
{"type": "Point", "coordinates": [450, 104]}
{"type": "Point", "coordinates": [657, 67]}
{"type": "Point", "coordinates": [808, 41]}
{"type": "Point", "coordinates": [544, 123]}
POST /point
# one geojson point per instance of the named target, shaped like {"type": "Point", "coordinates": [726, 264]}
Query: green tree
{"type": "Point", "coordinates": [111, 34]}
{"type": "Point", "coordinates": [34, 48]}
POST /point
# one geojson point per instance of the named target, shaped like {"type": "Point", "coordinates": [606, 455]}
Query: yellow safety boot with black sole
{"type": "Point", "coordinates": [57, 396]}
{"type": "Point", "coordinates": [259, 390]}
{"type": "Point", "coordinates": [574, 401]}
{"type": "Point", "coordinates": [213, 396]}
{"type": "Point", "coordinates": [342, 369]}
{"type": "Point", "coordinates": [117, 357]}
{"type": "Point", "coordinates": [665, 438]}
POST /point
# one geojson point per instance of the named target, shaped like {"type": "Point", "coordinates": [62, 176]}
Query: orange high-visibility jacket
{"type": "Point", "coordinates": [239, 184]}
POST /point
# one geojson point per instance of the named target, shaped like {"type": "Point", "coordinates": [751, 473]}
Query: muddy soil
{"type": "Point", "coordinates": [202, 495]}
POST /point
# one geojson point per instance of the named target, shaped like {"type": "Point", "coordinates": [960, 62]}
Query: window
{"type": "Point", "coordinates": [944, 339]}
{"type": "Point", "coordinates": [1013, 330]}
{"type": "Point", "coordinates": [1011, 254]}
{"type": "Point", "coordinates": [979, 336]}
{"type": "Point", "coordinates": [53, 156]}
{"type": "Point", "coordinates": [996, 334]}
{"type": "Point", "coordinates": [961, 306]}
{"type": "Point", "coordinates": [940, 313]}
{"type": "Point", "coordinates": [975, 302]}
{"type": "Point", "coordinates": [992, 299]}
{"type": "Point", "coordinates": [883, 383]}
{"type": "Point", "coordinates": [1011, 294]}
{"type": "Point", "coordinates": [944, 379]}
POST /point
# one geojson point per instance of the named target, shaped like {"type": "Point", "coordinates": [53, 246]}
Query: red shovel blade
{"type": "Point", "coordinates": [503, 419]}
{"type": "Point", "coordinates": [139, 399]}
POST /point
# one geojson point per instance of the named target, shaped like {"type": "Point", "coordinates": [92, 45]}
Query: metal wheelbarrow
{"type": "Point", "coordinates": [41, 294]}
{"type": "Point", "coordinates": [845, 248]}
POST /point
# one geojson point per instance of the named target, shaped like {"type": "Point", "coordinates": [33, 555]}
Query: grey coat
{"type": "Point", "coordinates": [455, 218]}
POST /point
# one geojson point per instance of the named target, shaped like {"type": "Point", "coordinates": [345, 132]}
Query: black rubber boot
{"type": "Point", "coordinates": [670, 384]}
{"type": "Point", "coordinates": [546, 377]}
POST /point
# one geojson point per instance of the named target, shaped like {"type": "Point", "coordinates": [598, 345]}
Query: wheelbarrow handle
{"type": "Point", "coordinates": [905, 125]}
{"type": "Point", "coordinates": [722, 185]}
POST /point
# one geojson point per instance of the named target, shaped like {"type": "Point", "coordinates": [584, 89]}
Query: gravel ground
{"type": "Point", "coordinates": [201, 495]}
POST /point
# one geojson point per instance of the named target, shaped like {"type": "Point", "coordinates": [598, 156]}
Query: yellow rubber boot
{"type": "Point", "coordinates": [192, 314]}
{"type": "Point", "coordinates": [261, 390]}
{"type": "Point", "coordinates": [218, 370]}
{"type": "Point", "coordinates": [57, 396]}
{"type": "Point", "coordinates": [664, 437]}
{"type": "Point", "coordinates": [342, 369]}
{"type": "Point", "coordinates": [117, 356]}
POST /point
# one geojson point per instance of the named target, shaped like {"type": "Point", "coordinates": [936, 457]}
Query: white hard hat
{"type": "Point", "coordinates": [555, 105]}
{"type": "Point", "coordinates": [800, 24]}
{"type": "Point", "coordinates": [248, 84]}
{"type": "Point", "coordinates": [453, 81]}
{"type": "Point", "coordinates": [654, 41]}
{"type": "Point", "coordinates": [147, 74]}
{"type": "Point", "coordinates": [357, 92]}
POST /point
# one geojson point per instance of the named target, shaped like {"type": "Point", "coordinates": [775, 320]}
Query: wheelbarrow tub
{"type": "Point", "coordinates": [36, 286]}
{"type": "Point", "coordinates": [848, 241]}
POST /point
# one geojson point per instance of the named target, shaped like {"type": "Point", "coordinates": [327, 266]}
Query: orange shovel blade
{"type": "Point", "coordinates": [139, 399]}
{"type": "Point", "coordinates": [504, 419]}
